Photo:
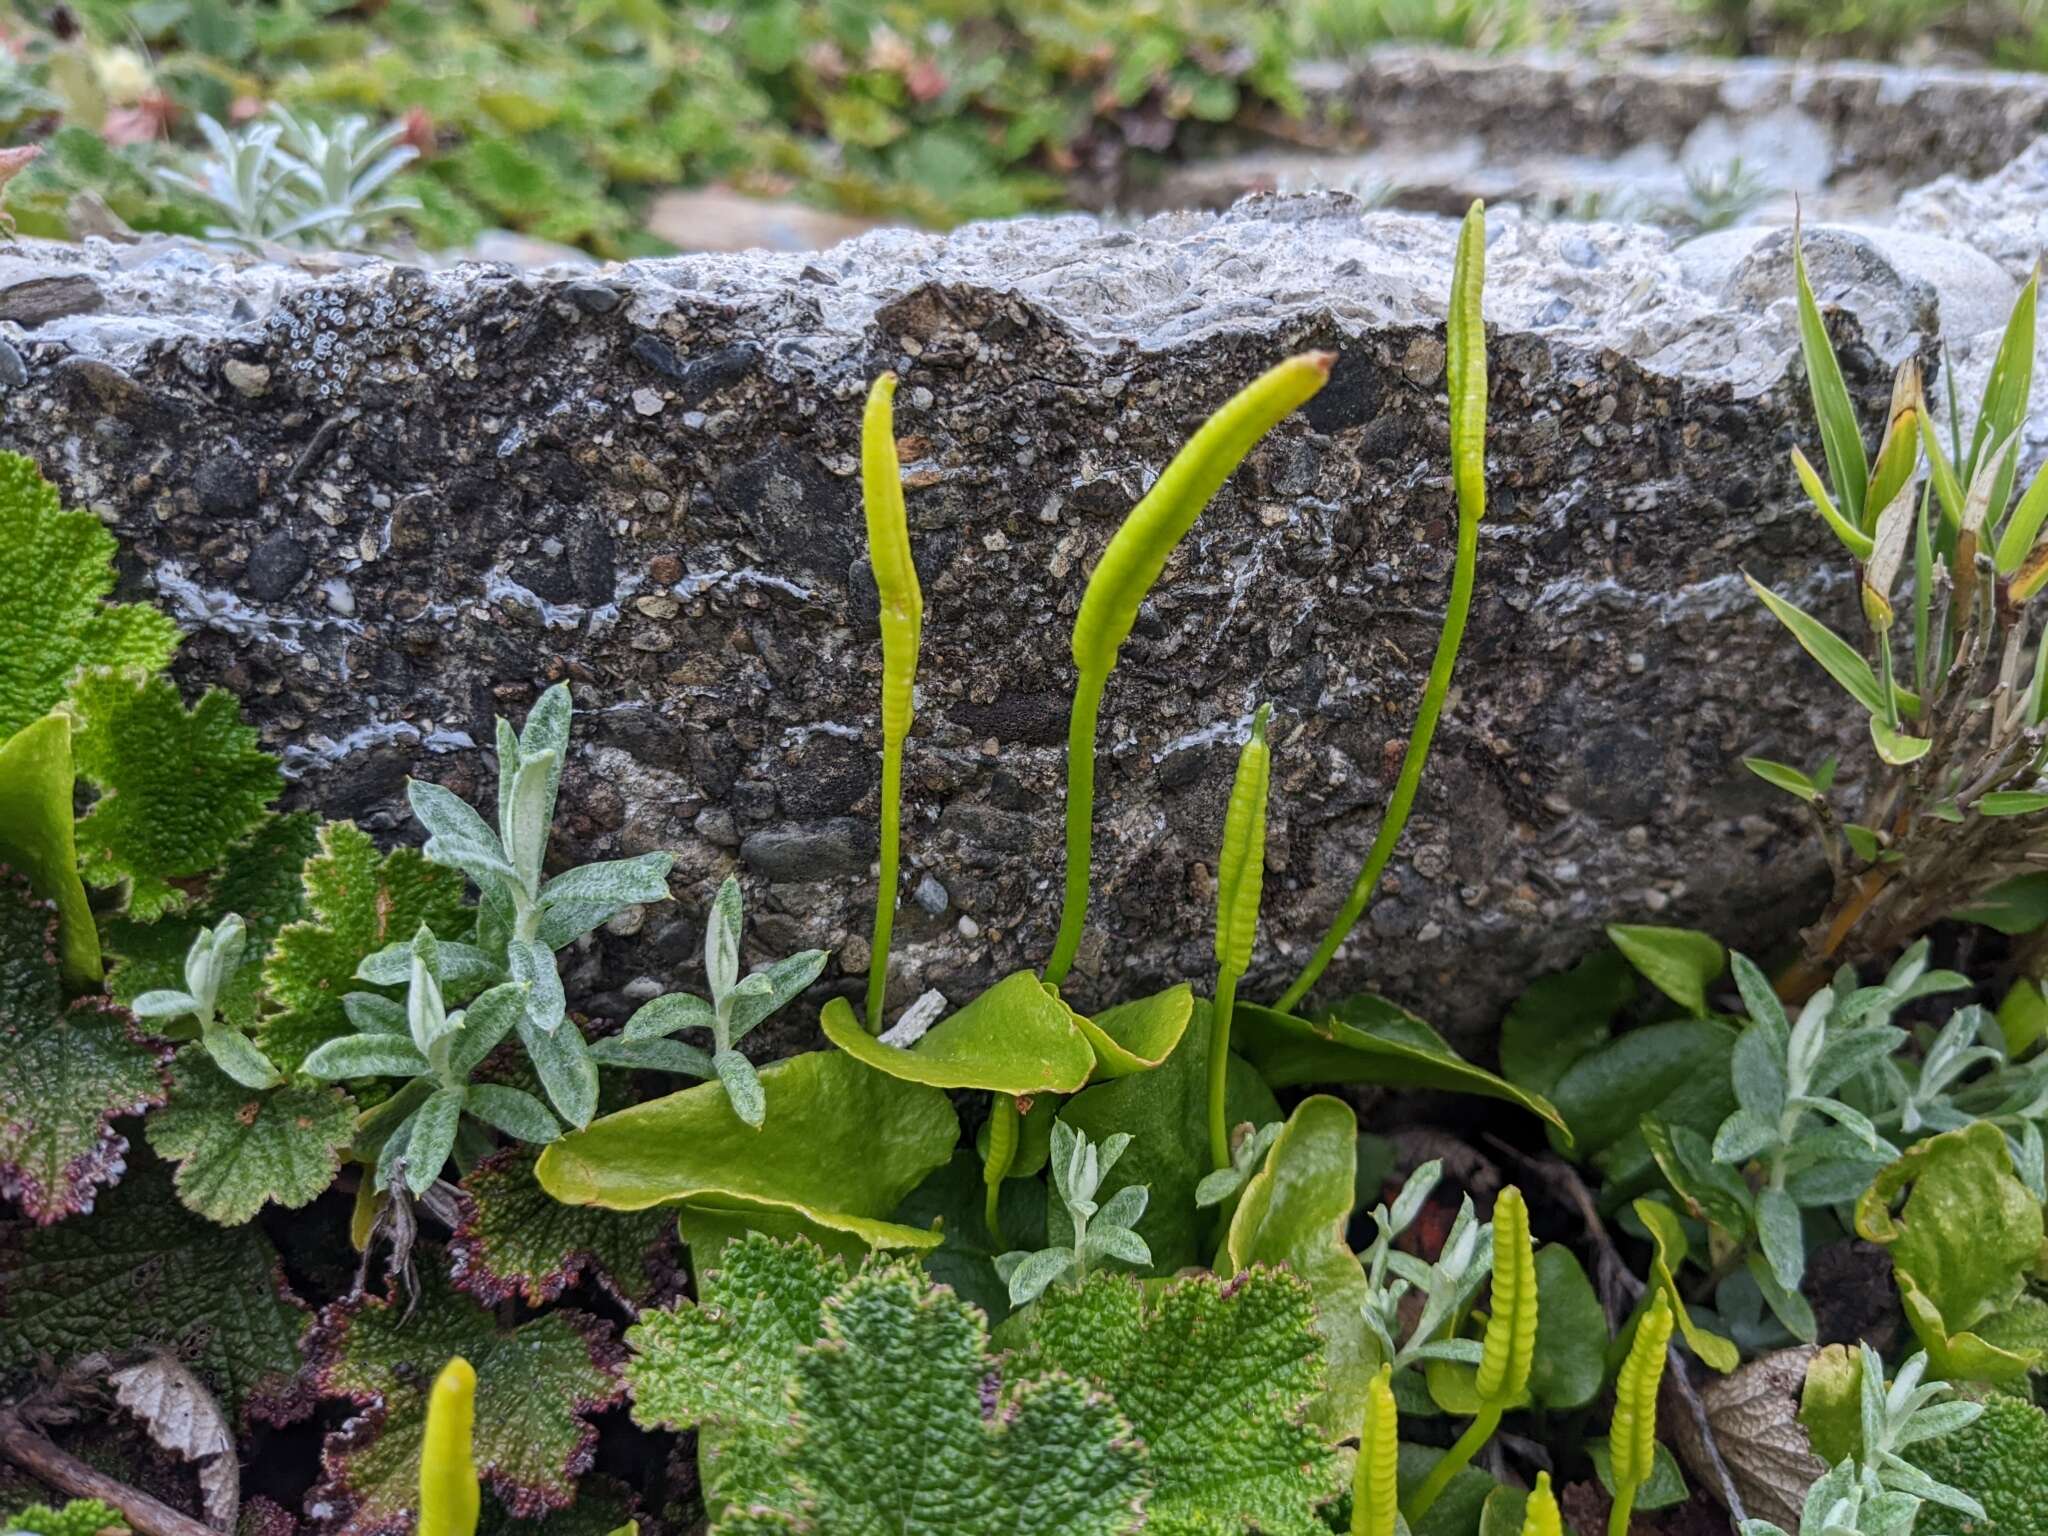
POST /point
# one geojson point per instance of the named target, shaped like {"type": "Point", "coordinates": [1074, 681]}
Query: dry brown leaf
{"type": "Point", "coordinates": [1755, 1418]}
{"type": "Point", "coordinates": [181, 1416]}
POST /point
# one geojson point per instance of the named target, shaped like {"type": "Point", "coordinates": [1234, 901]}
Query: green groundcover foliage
{"type": "Point", "coordinates": [339, 1198]}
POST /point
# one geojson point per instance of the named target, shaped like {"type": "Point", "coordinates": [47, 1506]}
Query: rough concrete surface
{"type": "Point", "coordinates": [388, 503]}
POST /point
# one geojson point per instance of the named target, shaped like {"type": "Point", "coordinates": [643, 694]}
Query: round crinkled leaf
{"type": "Point", "coordinates": [1016, 1038]}
{"type": "Point", "coordinates": [840, 1145]}
{"type": "Point", "coordinates": [1366, 1039]}
{"type": "Point", "coordinates": [516, 1240]}
{"type": "Point", "coordinates": [67, 1072]}
{"type": "Point", "coordinates": [260, 883]}
{"type": "Point", "coordinates": [537, 1387]}
{"type": "Point", "coordinates": [359, 902]}
{"type": "Point", "coordinates": [904, 1364]}
{"type": "Point", "coordinates": [239, 1149]}
{"type": "Point", "coordinates": [177, 788]}
{"type": "Point", "coordinates": [1217, 1377]}
{"type": "Point", "coordinates": [2001, 1461]}
{"type": "Point", "coordinates": [144, 1273]}
{"type": "Point", "coordinates": [56, 567]}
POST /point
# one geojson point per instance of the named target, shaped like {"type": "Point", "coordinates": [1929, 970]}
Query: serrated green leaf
{"type": "Point", "coordinates": [724, 1364]}
{"type": "Point", "coordinates": [1217, 1378]}
{"type": "Point", "coordinates": [537, 1387]}
{"type": "Point", "coordinates": [143, 1272]}
{"type": "Point", "coordinates": [260, 882]}
{"type": "Point", "coordinates": [177, 788]}
{"type": "Point", "coordinates": [517, 1241]}
{"type": "Point", "coordinates": [359, 902]}
{"type": "Point", "coordinates": [36, 838]}
{"type": "Point", "coordinates": [56, 568]}
{"type": "Point", "coordinates": [2001, 1459]}
{"type": "Point", "coordinates": [239, 1149]}
{"type": "Point", "coordinates": [903, 1363]}
{"type": "Point", "coordinates": [1294, 1212]}
{"type": "Point", "coordinates": [80, 1517]}
{"type": "Point", "coordinates": [1960, 1245]}
{"type": "Point", "coordinates": [67, 1072]}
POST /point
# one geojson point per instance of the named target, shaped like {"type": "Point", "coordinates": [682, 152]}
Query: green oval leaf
{"type": "Point", "coordinates": [1679, 962]}
{"type": "Point", "coordinates": [1293, 1213]}
{"type": "Point", "coordinates": [841, 1146]}
{"type": "Point", "coordinates": [1139, 1035]}
{"type": "Point", "coordinates": [1016, 1038]}
{"type": "Point", "coordinates": [1366, 1039]}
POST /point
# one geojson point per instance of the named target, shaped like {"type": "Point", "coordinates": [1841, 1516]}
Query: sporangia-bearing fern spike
{"type": "Point", "coordinates": [1375, 1496]}
{"type": "Point", "coordinates": [902, 621]}
{"type": "Point", "coordinates": [1465, 378]}
{"type": "Point", "coordinates": [1127, 571]}
{"type": "Point", "coordinates": [1509, 1353]}
{"type": "Point", "coordinates": [1542, 1517]}
{"type": "Point", "coordinates": [1240, 874]}
{"type": "Point", "coordinates": [449, 1496]}
{"type": "Point", "coordinates": [1632, 1442]}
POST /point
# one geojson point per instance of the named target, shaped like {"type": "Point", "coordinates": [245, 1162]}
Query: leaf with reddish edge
{"type": "Point", "coordinates": [537, 1386]}
{"type": "Point", "coordinates": [517, 1240]}
{"type": "Point", "coordinates": [143, 1272]}
{"type": "Point", "coordinates": [67, 1071]}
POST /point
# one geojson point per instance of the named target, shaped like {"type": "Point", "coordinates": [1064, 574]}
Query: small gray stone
{"type": "Point", "coordinates": [931, 896]}
{"type": "Point", "coordinates": [13, 372]}
{"type": "Point", "coordinates": [592, 298]}
{"type": "Point", "coordinates": [248, 379]}
{"type": "Point", "coordinates": [225, 486]}
{"type": "Point", "coordinates": [716, 826]}
{"type": "Point", "coordinates": [275, 567]}
{"type": "Point", "coordinates": [35, 301]}
{"type": "Point", "coordinates": [790, 855]}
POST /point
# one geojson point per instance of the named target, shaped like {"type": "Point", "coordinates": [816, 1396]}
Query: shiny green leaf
{"type": "Point", "coordinates": [1679, 962]}
{"type": "Point", "coordinates": [1294, 1212]}
{"type": "Point", "coordinates": [1015, 1038]}
{"type": "Point", "coordinates": [36, 838]}
{"type": "Point", "coordinates": [840, 1147]}
{"type": "Point", "coordinates": [1137, 1036]}
{"type": "Point", "coordinates": [1366, 1039]}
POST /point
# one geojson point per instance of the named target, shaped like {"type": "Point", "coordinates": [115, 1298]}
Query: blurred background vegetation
{"type": "Point", "coordinates": [564, 119]}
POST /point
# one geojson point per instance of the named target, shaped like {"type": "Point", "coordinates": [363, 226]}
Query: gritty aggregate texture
{"type": "Point", "coordinates": [388, 504]}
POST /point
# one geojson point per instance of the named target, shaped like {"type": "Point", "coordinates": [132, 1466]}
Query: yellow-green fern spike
{"type": "Point", "coordinates": [1509, 1353]}
{"type": "Point", "coordinates": [1632, 1442]}
{"type": "Point", "coordinates": [448, 1487]}
{"type": "Point", "coordinates": [1240, 876]}
{"type": "Point", "coordinates": [1542, 1517]}
{"type": "Point", "coordinates": [1129, 566]}
{"type": "Point", "coordinates": [1465, 381]}
{"type": "Point", "coordinates": [1510, 1350]}
{"type": "Point", "coordinates": [902, 614]}
{"type": "Point", "coordinates": [1003, 1130]}
{"type": "Point", "coordinates": [1375, 1498]}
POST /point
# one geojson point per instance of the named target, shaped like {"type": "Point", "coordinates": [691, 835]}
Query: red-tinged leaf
{"type": "Point", "coordinates": [67, 1071]}
{"type": "Point", "coordinates": [537, 1387]}
{"type": "Point", "coordinates": [518, 1241]}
